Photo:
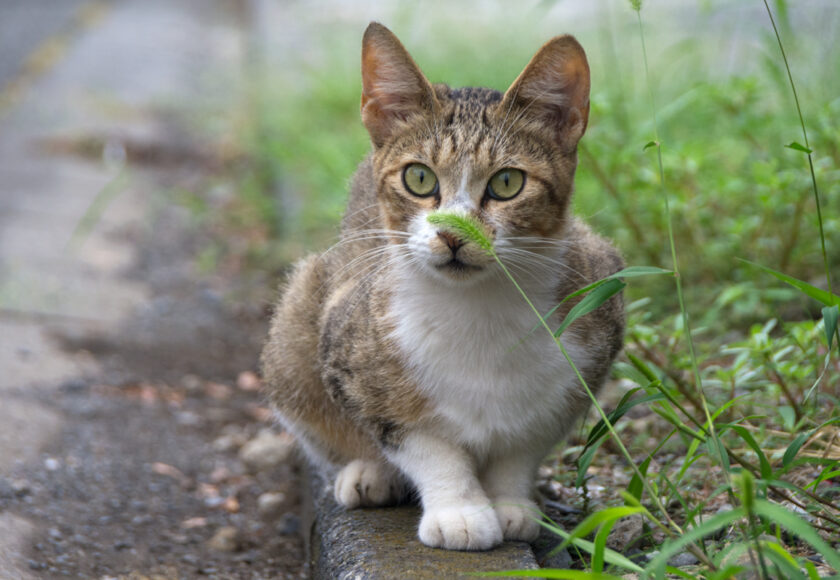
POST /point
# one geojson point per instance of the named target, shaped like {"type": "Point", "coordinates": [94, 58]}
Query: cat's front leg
{"type": "Point", "coordinates": [508, 480]}
{"type": "Point", "coordinates": [368, 483]}
{"type": "Point", "coordinates": [457, 514]}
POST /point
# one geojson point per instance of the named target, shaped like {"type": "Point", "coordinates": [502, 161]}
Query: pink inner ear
{"type": "Point", "coordinates": [393, 88]}
{"type": "Point", "coordinates": [554, 87]}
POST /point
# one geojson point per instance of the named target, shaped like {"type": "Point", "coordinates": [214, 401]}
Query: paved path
{"type": "Point", "coordinates": [82, 86]}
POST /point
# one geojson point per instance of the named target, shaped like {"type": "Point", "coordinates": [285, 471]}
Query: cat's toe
{"type": "Point", "coordinates": [518, 518]}
{"type": "Point", "coordinates": [363, 483]}
{"type": "Point", "coordinates": [467, 527]}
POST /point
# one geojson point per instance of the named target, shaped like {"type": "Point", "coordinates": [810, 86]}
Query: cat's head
{"type": "Point", "coordinates": [506, 159]}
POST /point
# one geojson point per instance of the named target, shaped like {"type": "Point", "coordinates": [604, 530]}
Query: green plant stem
{"type": "Point", "coordinates": [675, 264]}
{"type": "Point", "coordinates": [810, 158]}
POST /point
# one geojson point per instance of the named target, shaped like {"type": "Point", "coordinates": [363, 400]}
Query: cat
{"type": "Point", "coordinates": [403, 359]}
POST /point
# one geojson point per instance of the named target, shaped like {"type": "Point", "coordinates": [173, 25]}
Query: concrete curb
{"type": "Point", "coordinates": [374, 544]}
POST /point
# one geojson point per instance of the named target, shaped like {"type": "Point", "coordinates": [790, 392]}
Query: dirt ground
{"type": "Point", "coordinates": [149, 477]}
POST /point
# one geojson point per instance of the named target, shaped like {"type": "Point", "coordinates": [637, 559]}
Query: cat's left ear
{"type": "Point", "coordinates": [393, 88]}
{"type": "Point", "coordinates": [554, 88]}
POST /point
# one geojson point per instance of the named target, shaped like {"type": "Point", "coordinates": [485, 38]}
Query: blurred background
{"type": "Point", "coordinates": [163, 162]}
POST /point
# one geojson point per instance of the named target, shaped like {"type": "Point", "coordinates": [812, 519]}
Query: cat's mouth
{"type": "Point", "coordinates": [457, 266]}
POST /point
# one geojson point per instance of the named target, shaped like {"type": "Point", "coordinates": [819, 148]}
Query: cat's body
{"type": "Point", "coordinates": [403, 357]}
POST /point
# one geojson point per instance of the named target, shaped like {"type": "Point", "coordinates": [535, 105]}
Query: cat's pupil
{"type": "Point", "coordinates": [422, 176]}
{"type": "Point", "coordinates": [507, 179]}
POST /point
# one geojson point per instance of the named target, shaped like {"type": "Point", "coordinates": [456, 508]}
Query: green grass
{"type": "Point", "coordinates": [727, 435]}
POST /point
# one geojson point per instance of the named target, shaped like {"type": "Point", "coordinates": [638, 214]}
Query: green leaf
{"type": "Point", "coordinates": [766, 470]}
{"type": "Point", "coordinates": [784, 562]}
{"type": "Point", "coordinates": [600, 546]}
{"type": "Point", "coordinates": [548, 573]}
{"type": "Point", "coordinates": [611, 556]}
{"type": "Point", "coordinates": [799, 147]}
{"type": "Point", "coordinates": [590, 302]}
{"type": "Point", "coordinates": [747, 490]}
{"type": "Point", "coordinates": [599, 518]}
{"type": "Point", "coordinates": [788, 416]}
{"type": "Point", "coordinates": [600, 429]}
{"type": "Point", "coordinates": [635, 487]}
{"type": "Point", "coordinates": [584, 460]}
{"type": "Point", "coordinates": [635, 271]}
{"type": "Point", "coordinates": [650, 144]}
{"type": "Point", "coordinates": [718, 450]}
{"type": "Point", "coordinates": [794, 447]}
{"type": "Point", "coordinates": [816, 293]}
{"type": "Point", "coordinates": [727, 573]}
{"type": "Point", "coordinates": [801, 528]}
{"type": "Point", "coordinates": [629, 272]}
{"type": "Point", "coordinates": [642, 367]}
{"type": "Point", "coordinates": [830, 316]}
{"type": "Point", "coordinates": [676, 545]}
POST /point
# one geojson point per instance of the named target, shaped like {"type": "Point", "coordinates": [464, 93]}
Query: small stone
{"type": "Point", "coordinates": [269, 504]}
{"type": "Point", "coordinates": [248, 381]}
{"type": "Point", "coordinates": [683, 559]}
{"type": "Point", "coordinates": [191, 383]}
{"type": "Point", "coordinates": [230, 442]}
{"type": "Point", "coordinates": [34, 565]}
{"type": "Point", "coordinates": [226, 539]}
{"type": "Point", "coordinates": [55, 534]}
{"type": "Point", "coordinates": [266, 451]}
{"type": "Point", "coordinates": [123, 545]}
{"type": "Point", "coordinates": [74, 386]}
{"type": "Point", "coordinates": [288, 525]}
{"type": "Point", "coordinates": [52, 464]}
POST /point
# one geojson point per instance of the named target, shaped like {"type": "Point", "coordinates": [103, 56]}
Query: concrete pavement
{"type": "Point", "coordinates": [106, 71]}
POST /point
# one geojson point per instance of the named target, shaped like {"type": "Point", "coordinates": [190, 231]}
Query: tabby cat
{"type": "Point", "coordinates": [403, 359]}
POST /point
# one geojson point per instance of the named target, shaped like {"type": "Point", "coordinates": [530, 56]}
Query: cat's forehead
{"type": "Point", "coordinates": [468, 105]}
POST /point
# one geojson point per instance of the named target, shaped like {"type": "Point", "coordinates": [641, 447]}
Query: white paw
{"type": "Point", "coordinates": [461, 527]}
{"type": "Point", "coordinates": [363, 483]}
{"type": "Point", "coordinates": [518, 517]}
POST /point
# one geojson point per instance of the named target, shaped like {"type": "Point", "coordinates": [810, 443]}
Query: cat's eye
{"type": "Point", "coordinates": [506, 184]}
{"type": "Point", "coordinates": [420, 180]}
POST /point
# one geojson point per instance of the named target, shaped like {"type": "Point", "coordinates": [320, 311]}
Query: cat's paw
{"type": "Point", "coordinates": [461, 527]}
{"type": "Point", "coordinates": [364, 483]}
{"type": "Point", "coordinates": [518, 518]}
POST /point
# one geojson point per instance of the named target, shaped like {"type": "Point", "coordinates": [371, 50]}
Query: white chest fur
{"type": "Point", "coordinates": [493, 381]}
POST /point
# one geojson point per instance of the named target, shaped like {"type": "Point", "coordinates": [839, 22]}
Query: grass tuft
{"type": "Point", "coordinates": [465, 226]}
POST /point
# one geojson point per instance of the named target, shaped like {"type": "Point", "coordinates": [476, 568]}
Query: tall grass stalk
{"type": "Point", "coordinates": [695, 368]}
{"type": "Point", "coordinates": [807, 145]}
{"type": "Point", "coordinates": [808, 152]}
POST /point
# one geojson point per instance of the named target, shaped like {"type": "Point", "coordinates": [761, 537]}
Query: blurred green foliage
{"type": "Point", "coordinates": [735, 190]}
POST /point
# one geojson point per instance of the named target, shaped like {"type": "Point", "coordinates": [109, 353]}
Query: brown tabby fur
{"type": "Point", "coordinates": [334, 371]}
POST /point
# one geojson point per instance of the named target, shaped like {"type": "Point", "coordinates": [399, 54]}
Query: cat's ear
{"type": "Point", "coordinates": [393, 88]}
{"type": "Point", "coordinates": [554, 88]}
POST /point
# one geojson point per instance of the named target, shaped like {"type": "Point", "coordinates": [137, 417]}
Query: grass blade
{"type": "Point", "coordinates": [800, 527]}
{"type": "Point", "coordinates": [764, 463]}
{"type": "Point", "coordinates": [818, 294]}
{"type": "Point", "coordinates": [548, 573]}
{"type": "Point", "coordinates": [599, 518]}
{"type": "Point", "coordinates": [830, 316]}
{"type": "Point", "coordinates": [590, 302]}
{"type": "Point", "coordinates": [673, 547]}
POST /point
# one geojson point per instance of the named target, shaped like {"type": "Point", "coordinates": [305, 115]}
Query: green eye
{"type": "Point", "coordinates": [506, 184]}
{"type": "Point", "coordinates": [420, 180]}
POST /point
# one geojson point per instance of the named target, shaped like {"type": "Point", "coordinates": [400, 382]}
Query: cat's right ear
{"type": "Point", "coordinates": [393, 88]}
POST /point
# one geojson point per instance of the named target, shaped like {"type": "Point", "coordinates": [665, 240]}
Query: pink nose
{"type": "Point", "coordinates": [451, 241]}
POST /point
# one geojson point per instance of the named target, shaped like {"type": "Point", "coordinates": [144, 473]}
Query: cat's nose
{"type": "Point", "coordinates": [453, 242]}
